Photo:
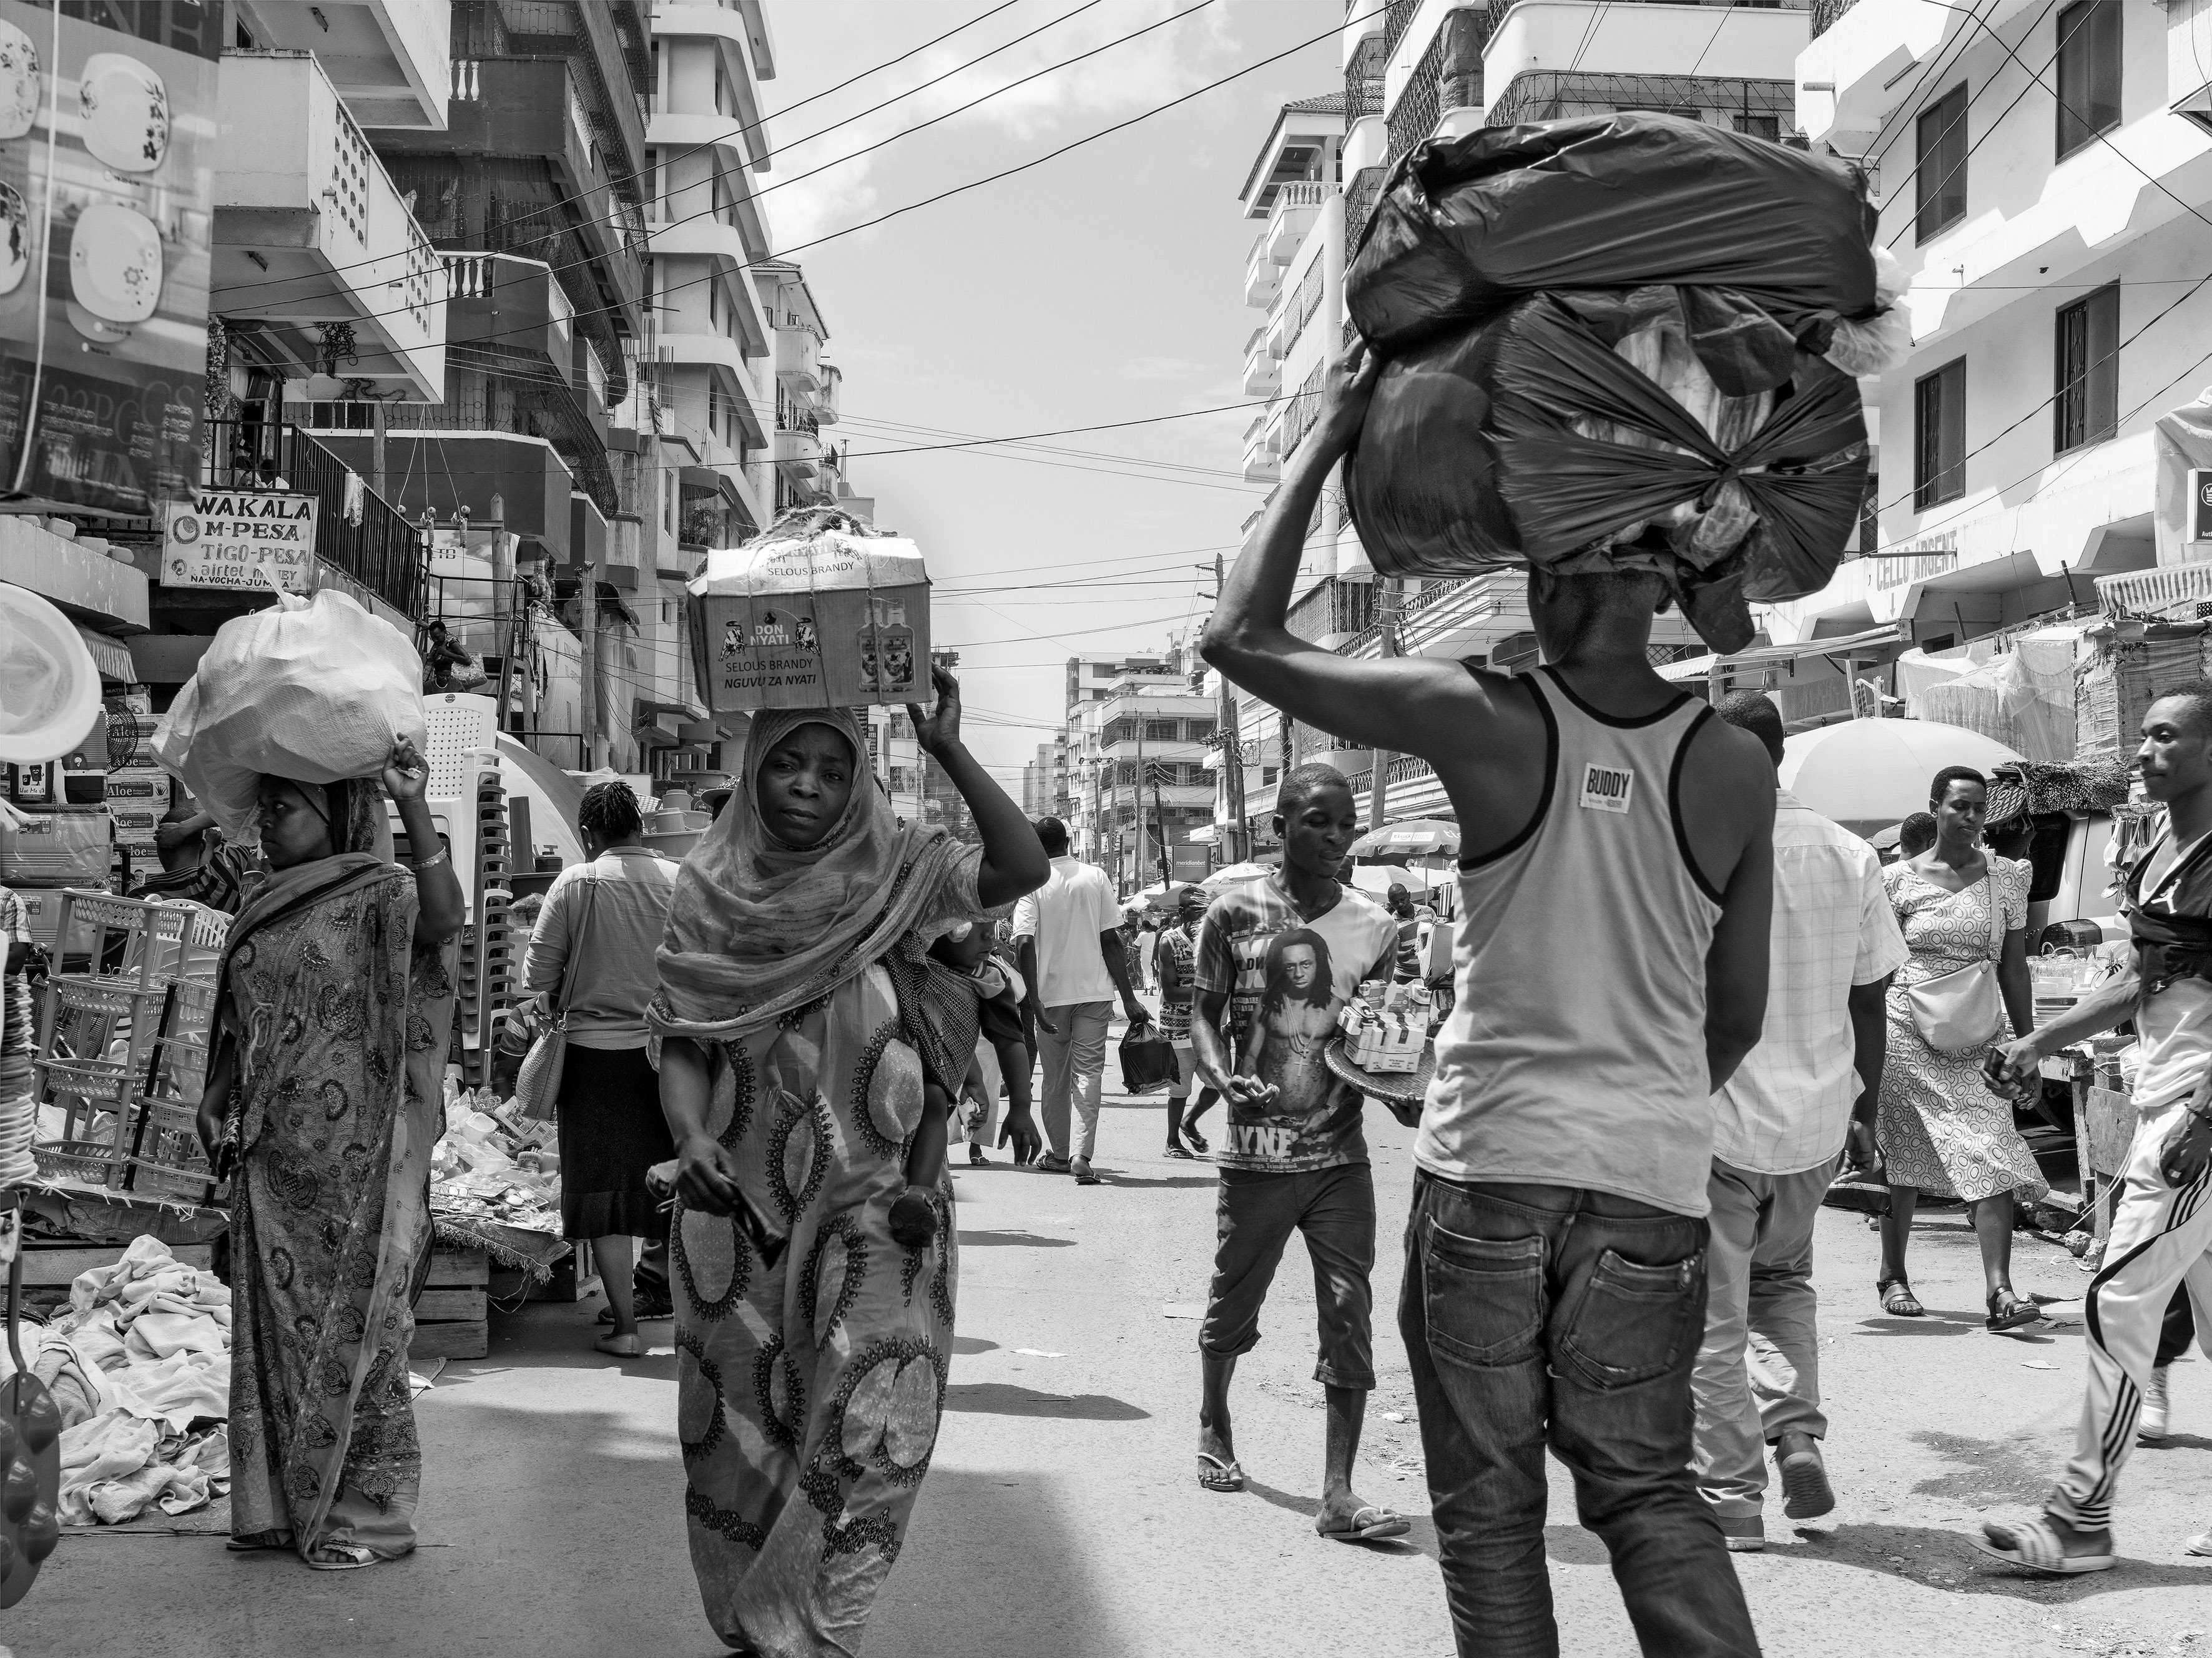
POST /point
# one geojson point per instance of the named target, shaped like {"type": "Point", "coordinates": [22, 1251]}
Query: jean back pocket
{"type": "Point", "coordinates": [1483, 1298]}
{"type": "Point", "coordinates": [1632, 1323]}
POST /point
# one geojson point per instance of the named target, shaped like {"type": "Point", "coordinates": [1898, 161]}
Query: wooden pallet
{"type": "Point", "coordinates": [449, 1317]}
{"type": "Point", "coordinates": [47, 1264]}
{"type": "Point", "coordinates": [574, 1278]}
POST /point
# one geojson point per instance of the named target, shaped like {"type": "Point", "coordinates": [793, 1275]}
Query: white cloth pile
{"type": "Point", "coordinates": [141, 1354]}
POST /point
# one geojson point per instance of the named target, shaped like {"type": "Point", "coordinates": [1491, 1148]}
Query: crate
{"type": "Point", "coordinates": [450, 1315]}
{"type": "Point", "coordinates": [574, 1277]}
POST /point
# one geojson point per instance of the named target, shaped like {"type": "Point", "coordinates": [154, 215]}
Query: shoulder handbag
{"type": "Point", "coordinates": [1960, 1011]}
{"type": "Point", "coordinates": [538, 1084]}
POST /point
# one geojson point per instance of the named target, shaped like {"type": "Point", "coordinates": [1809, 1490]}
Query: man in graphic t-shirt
{"type": "Point", "coordinates": [1277, 960]}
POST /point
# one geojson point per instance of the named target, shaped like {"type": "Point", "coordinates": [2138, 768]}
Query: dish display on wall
{"type": "Point", "coordinates": [127, 112]}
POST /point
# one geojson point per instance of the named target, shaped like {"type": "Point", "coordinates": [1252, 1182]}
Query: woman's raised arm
{"type": "Point", "coordinates": [1013, 857]}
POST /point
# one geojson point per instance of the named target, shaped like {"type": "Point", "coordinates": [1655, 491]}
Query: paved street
{"type": "Point", "coordinates": [1061, 1516]}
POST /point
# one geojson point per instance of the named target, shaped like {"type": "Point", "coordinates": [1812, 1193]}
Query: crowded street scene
{"type": "Point", "coordinates": [647, 998]}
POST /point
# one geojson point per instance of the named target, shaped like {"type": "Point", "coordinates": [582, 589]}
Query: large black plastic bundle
{"type": "Point", "coordinates": [1602, 343]}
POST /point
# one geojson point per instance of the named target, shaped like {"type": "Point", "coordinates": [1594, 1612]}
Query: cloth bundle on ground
{"type": "Point", "coordinates": [1625, 341]}
{"type": "Point", "coordinates": [140, 1368]}
{"type": "Point", "coordinates": [316, 690]}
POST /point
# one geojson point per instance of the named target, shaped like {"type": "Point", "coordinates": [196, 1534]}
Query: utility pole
{"type": "Point", "coordinates": [1233, 751]}
{"type": "Point", "coordinates": [588, 703]}
{"type": "Point", "coordinates": [1378, 779]}
{"type": "Point", "coordinates": [1137, 862]}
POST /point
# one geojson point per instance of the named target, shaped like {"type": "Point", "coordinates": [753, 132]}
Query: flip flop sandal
{"type": "Point", "coordinates": [1053, 1163]}
{"type": "Point", "coordinates": [339, 1557]}
{"type": "Point", "coordinates": [1087, 1176]}
{"type": "Point", "coordinates": [1180, 1152]}
{"type": "Point", "coordinates": [1196, 1140]}
{"type": "Point", "coordinates": [1370, 1524]}
{"type": "Point", "coordinates": [2014, 1315]}
{"type": "Point", "coordinates": [1897, 1299]}
{"type": "Point", "coordinates": [1217, 1475]}
{"type": "Point", "coordinates": [2034, 1546]}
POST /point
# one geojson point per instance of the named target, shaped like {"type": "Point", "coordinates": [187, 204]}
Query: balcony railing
{"type": "Point", "coordinates": [1362, 80]}
{"type": "Point", "coordinates": [383, 551]}
{"type": "Point", "coordinates": [1334, 607]}
{"type": "Point", "coordinates": [1359, 198]}
{"type": "Point", "coordinates": [1449, 77]}
{"type": "Point", "coordinates": [2174, 591]}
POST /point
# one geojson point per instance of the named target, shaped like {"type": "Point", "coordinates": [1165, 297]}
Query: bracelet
{"type": "Point", "coordinates": [433, 860]}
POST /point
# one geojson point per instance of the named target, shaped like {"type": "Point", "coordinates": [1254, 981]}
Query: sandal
{"type": "Point", "coordinates": [1370, 1524]}
{"type": "Point", "coordinates": [1053, 1163]}
{"type": "Point", "coordinates": [1897, 1299]}
{"type": "Point", "coordinates": [1196, 1140]}
{"type": "Point", "coordinates": [2035, 1545]}
{"type": "Point", "coordinates": [1175, 1150]}
{"type": "Point", "coordinates": [2009, 1312]}
{"type": "Point", "coordinates": [975, 1158]}
{"type": "Point", "coordinates": [1216, 1475]}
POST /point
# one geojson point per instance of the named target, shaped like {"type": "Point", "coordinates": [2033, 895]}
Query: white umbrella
{"type": "Point", "coordinates": [1381, 877]}
{"type": "Point", "coordinates": [1235, 875]}
{"type": "Point", "coordinates": [1869, 773]}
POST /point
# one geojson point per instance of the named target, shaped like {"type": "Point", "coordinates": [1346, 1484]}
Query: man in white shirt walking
{"type": "Point", "coordinates": [1779, 1123]}
{"type": "Point", "coordinates": [1068, 934]}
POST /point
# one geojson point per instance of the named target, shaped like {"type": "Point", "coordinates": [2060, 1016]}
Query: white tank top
{"type": "Point", "coordinates": [1575, 1053]}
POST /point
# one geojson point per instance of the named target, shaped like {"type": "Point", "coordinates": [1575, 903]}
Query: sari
{"type": "Point", "coordinates": [811, 1371]}
{"type": "Point", "coordinates": [340, 1023]}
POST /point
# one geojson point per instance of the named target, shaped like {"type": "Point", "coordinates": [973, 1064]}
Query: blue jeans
{"type": "Point", "coordinates": [1537, 1315]}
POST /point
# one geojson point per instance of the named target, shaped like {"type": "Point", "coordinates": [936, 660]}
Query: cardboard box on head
{"type": "Point", "coordinates": [811, 616]}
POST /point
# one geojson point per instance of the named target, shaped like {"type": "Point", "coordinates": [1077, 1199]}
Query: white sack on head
{"type": "Point", "coordinates": [315, 689]}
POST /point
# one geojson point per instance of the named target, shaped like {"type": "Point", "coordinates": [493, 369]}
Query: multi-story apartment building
{"type": "Point", "coordinates": [897, 758]}
{"type": "Point", "coordinates": [2038, 173]}
{"type": "Point", "coordinates": [1426, 69]}
{"type": "Point", "coordinates": [1133, 750]}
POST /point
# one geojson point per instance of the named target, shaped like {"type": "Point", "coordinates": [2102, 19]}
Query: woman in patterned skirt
{"type": "Point", "coordinates": [1941, 1128]}
{"type": "Point", "coordinates": [799, 1021]}
{"type": "Point", "coordinates": [335, 1001]}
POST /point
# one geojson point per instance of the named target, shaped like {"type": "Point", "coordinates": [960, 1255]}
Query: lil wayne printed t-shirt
{"type": "Point", "coordinates": [1288, 977]}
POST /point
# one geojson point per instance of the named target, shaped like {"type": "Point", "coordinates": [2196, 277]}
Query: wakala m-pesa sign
{"type": "Point", "coordinates": [238, 539]}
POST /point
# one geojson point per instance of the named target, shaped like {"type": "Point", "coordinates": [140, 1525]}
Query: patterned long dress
{"type": "Point", "coordinates": [1940, 1127]}
{"type": "Point", "coordinates": [341, 1022]}
{"type": "Point", "coordinates": [809, 1387]}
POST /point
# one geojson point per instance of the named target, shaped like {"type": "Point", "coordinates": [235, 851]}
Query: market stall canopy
{"type": "Point", "coordinates": [1414, 837]}
{"type": "Point", "coordinates": [1869, 773]}
{"type": "Point", "coordinates": [1864, 644]}
{"type": "Point", "coordinates": [1235, 875]}
{"type": "Point", "coordinates": [553, 795]}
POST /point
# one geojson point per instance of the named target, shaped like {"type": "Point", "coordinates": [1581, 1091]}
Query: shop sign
{"type": "Point", "coordinates": [1930, 556]}
{"type": "Point", "coordinates": [240, 538]}
{"type": "Point", "coordinates": [2200, 504]}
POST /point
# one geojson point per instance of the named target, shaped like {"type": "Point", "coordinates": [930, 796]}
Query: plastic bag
{"type": "Point", "coordinates": [316, 690]}
{"type": "Point", "coordinates": [1148, 1060]}
{"type": "Point", "coordinates": [1466, 226]}
{"type": "Point", "coordinates": [1533, 439]}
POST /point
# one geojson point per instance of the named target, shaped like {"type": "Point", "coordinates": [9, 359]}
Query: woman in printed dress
{"type": "Point", "coordinates": [335, 1001]}
{"type": "Point", "coordinates": [1941, 1128]}
{"type": "Point", "coordinates": [798, 1020]}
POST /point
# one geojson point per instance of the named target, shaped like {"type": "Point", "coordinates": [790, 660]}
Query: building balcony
{"type": "Point", "coordinates": [514, 479]}
{"type": "Point", "coordinates": [797, 453]}
{"type": "Point", "coordinates": [313, 242]}
{"type": "Point", "coordinates": [825, 405]}
{"type": "Point", "coordinates": [84, 581]}
{"type": "Point", "coordinates": [390, 60]}
{"type": "Point", "coordinates": [1261, 467]}
{"type": "Point", "coordinates": [721, 354]}
{"type": "Point", "coordinates": [1590, 36]}
{"type": "Point", "coordinates": [1263, 277]}
{"type": "Point", "coordinates": [586, 33]}
{"type": "Point", "coordinates": [1852, 74]}
{"type": "Point", "coordinates": [1297, 205]}
{"type": "Point", "coordinates": [1263, 372]}
{"type": "Point", "coordinates": [496, 303]}
{"type": "Point", "coordinates": [382, 552]}
{"type": "Point", "coordinates": [517, 109]}
{"type": "Point", "coordinates": [799, 361]}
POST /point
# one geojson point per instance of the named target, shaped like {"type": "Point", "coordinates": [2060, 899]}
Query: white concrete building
{"type": "Point", "coordinates": [2040, 171]}
{"type": "Point", "coordinates": [1426, 69]}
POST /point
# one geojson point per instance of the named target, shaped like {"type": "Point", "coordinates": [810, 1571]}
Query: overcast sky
{"type": "Point", "coordinates": [1104, 285]}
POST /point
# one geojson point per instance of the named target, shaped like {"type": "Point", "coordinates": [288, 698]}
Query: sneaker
{"type": "Point", "coordinates": [2150, 1426]}
{"type": "Point", "coordinates": [1745, 1533]}
{"type": "Point", "coordinates": [1804, 1477]}
{"type": "Point", "coordinates": [2200, 1544]}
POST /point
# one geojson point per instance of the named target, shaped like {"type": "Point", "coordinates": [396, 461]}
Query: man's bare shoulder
{"type": "Point", "coordinates": [1729, 768]}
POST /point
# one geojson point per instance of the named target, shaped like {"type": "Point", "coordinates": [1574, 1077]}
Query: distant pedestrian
{"type": "Point", "coordinates": [2161, 1230]}
{"type": "Point", "coordinates": [1611, 940]}
{"type": "Point", "coordinates": [1940, 1129]}
{"type": "Point", "coordinates": [1278, 959]}
{"type": "Point", "coordinates": [1178, 960]}
{"type": "Point", "coordinates": [1916, 834]}
{"type": "Point", "coordinates": [1400, 902]}
{"type": "Point", "coordinates": [1074, 963]}
{"type": "Point", "coordinates": [1781, 1122]}
{"type": "Point", "coordinates": [596, 938]}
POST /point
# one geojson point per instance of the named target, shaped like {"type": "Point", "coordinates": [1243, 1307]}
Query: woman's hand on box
{"type": "Point", "coordinates": [939, 729]}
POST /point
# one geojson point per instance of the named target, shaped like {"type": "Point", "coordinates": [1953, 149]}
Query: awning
{"type": "Point", "coordinates": [1690, 667]}
{"type": "Point", "coordinates": [1860, 644]}
{"type": "Point", "coordinates": [110, 655]}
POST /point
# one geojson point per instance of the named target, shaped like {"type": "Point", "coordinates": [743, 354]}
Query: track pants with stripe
{"type": "Point", "coordinates": [2160, 1237]}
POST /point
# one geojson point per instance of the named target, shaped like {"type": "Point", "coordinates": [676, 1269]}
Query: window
{"type": "Point", "coordinates": [668, 502]}
{"type": "Point", "coordinates": [1159, 731]}
{"type": "Point", "coordinates": [1768, 127]}
{"type": "Point", "coordinates": [1939, 437]}
{"type": "Point", "coordinates": [2087, 379]}
{"type": "Point", "coordinates": [652, 184]}
{"type": "Point", "coordinates": [1267, 774]}
{"type": "Point", "coordinates": [1940, 170]}
{"type": "Point", "coordinates": [2088, 72]}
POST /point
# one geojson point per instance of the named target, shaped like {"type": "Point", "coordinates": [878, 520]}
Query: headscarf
{"type": "Point", "coordinates": [758, 928]}
{"type": "Point", "coordinates": [352, 809]}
